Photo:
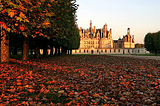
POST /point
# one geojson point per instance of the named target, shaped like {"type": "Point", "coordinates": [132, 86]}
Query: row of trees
{"type": "Point", "coordinates": [40, 23]}
{"type": "Point", "coordinates": [152, 42]}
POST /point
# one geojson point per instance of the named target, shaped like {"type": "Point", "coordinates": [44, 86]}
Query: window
{"type": "Point", "coordinates": [97, 51]}
{"type": "Point", "coordinates": [87, 51]}
{"type": "Point", "coordinates": [84, 51]}
{"type": "Point", "coordinates": [110, 50]}
{"type": "Point", "coordinates": [102, 51]}
{"type": "Point", "coordinates": [105, 51]}
{"type": "Point", "coordinates": [118, 50]}
{"type": "Point", "coordinates": [114, 50]}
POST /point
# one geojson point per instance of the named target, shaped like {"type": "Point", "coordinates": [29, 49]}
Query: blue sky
{"type": "Point", "coordinates": [141, 16]}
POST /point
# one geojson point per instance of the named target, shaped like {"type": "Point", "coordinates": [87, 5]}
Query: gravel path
{"type": "Point", "coordinates": [141, 57]}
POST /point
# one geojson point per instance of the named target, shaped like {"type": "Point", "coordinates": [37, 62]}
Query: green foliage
{"type": "Point", "coordinates": [152, 42]}
{"type": "Point", "coordinates": [156, 40]}
{"type": "Point", "coordinates": [148, 42]}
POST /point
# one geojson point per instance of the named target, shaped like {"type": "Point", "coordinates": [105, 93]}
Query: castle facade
{"type": "Point", "coordinates": [102, 39]}
{"type": "Point", "coordinates": [95, 38]}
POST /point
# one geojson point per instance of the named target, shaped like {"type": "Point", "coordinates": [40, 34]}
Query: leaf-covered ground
{"type": "Point", "coordinates": [81, 80]}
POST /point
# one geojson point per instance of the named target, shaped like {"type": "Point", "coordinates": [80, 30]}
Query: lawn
{"type": "Point", "coordinates": [80, 80]}
{"type": "Point", "coordinates": [146, 54]}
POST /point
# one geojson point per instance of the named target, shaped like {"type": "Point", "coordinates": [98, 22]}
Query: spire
{"type": "Point", "coordinates": [90, 23]}
{"type": "Point", "coordinates": [128, 31]}
{"type": "Point", "coordinates": [90, 29]}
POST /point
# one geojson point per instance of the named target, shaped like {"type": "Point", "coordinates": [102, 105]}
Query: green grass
{"type": "Point", "coordinates": [117, 54]}
{"type": "Point", "coordinates": [83, 54]}
{"type": "Point", "coordinates": [146, 54]}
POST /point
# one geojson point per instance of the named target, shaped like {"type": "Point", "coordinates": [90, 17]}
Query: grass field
{"type": "Point", "coordinates": [146, 54]}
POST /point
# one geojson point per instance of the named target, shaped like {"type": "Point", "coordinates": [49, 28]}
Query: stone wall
{"type": "Point", "coordinates": [106, 51]}
{"type": "Point", "coordinates": [111, 51]}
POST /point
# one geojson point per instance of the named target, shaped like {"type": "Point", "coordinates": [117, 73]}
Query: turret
{"type": "Point", "coordinates": [94, 32]}
{"type": "Point", "coordinates": [132, 38]}
{"type": "Point", "coordinates": [128, 31]}
{"type": "Point", "coordinates": [110, 34]}
{"type": "Point", "coordinates": [90, 29]}
{"type": "Point", "coordinates": [101, 32]}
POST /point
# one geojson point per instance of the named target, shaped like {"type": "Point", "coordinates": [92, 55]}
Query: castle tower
{"type": "Point", "coordinates": [90, 29]}
{"type": "Point", "coordinates": [132, 38]}
{"type": "Point", "coordinates": [101, 32]}
{"type": "Point", "coordinates": [110, 34]}
{"type": "Point", "coordinates": [128, 31]}
{"type": "Point", "coordinates": [129, 36]}
{"type": "Point", "coordinates": [81, 32]}
{"type": "Point", "coordinates": [105, 31]}
{"type": "Point", "coordinates": [94, 32]}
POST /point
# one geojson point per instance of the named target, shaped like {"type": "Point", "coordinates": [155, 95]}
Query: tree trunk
{"type": "Point", "coordinates": [15, 50]}
{"type": "Point", "coordinates": [45, 52]}
{"type": "Point", "coordinates": [155, 52]}
{"type": "Point", "coordinates": [31, 51]}
{"type": "Point", "coordinates": [59, 52]}
{"type": "Point", "coordinates": [4, 47]}
{"type": "Point", "coordinates": [25, 49]}
{"type": "Point", "coordinates": [51, 50]}
{"type": "Point", "coordinates": [71, 52]}
{"type": "Point", "coordinates": [63, 51]}
{"type": "Point", "coordinates": [55, 53]}
{"type": "Point", "coordinates": [37, 52]}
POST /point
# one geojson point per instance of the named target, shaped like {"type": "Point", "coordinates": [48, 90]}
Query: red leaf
{"type": "Point", "coordinates": [21, 28]}
{"type": "Point", "coordinates": [3, 11]}
{"type": "Point", "coordinates": [27, 1]}
{"type": "Point", "coordinates": [1, 23]}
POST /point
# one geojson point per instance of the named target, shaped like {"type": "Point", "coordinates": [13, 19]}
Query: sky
{"type": "Point", "coordinates": [141, 16]}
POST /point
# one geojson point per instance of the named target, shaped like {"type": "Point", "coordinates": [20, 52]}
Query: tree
{"type": "Point", "coordinates": [53, 20]}
{"type": "Point", "coordinates": [156, 40]}
{"type": "Point", "coordinates": [23, 17]}
{"type": "Point", "coordinates": [149, 43]}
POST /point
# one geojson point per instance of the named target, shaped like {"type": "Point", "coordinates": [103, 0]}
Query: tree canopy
{"type": "Point", "coordinates": [53, 20]}
{"type": "Point", "coordinates": [152, 42]}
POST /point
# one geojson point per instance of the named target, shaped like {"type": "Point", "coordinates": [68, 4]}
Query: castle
{"type": "Point", "coordinates": [99, 41]}
{"type": "Point", "coordinates": [102, 38]}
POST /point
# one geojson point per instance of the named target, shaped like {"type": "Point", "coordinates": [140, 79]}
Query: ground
{"type": "Point", "coordinates": [141, 57]}
{"type": "Point", "coordinates": [81, 80]}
